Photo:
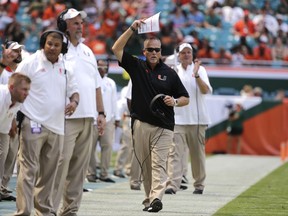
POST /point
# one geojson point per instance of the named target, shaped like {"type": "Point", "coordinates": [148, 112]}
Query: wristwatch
{"type": "Point", "coordinates": [175, 102]}
{"type": "Point", "coordinates": [102, 113]}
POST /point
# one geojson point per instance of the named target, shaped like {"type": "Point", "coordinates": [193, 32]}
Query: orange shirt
{"type": "Point", "coordinates": [243, 28]}
{"type": "Point", "coordinates": [49, 12]}
{"type": "Point", "coordinates": [97, 46]}
{"type": "Point", "coordinates": [204, 53]}
{"type": "Point", "coordinates": [266, 53]}
{"type": "Point", "coordinates": [110, 22]}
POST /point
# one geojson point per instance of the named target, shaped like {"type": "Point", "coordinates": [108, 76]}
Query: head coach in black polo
{"type": "Point", "coordinates": [156, 89]}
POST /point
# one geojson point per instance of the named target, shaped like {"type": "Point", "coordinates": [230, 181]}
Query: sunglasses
{"type": "Point", "coordinates": [153, 49]}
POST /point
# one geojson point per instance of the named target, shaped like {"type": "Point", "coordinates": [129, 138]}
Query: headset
{"type": "Point", "coordinates": [155, 103]}
{"type": "Point", "coordinates": [64, 40]}
{"type": "Point", "coordinates": [61, 23]}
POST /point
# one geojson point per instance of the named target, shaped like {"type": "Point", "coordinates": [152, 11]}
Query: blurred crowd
{"type": "Point", "coordinates": [227, 31]}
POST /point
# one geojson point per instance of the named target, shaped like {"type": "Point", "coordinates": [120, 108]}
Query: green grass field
{"type": "Point", "coordinates": [267, 197]}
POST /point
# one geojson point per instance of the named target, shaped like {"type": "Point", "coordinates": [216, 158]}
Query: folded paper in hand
{"type": "Point", "coordinates": [151, 24]}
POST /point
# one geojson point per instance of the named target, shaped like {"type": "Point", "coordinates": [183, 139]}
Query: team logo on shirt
{"type": "Point", "coordinates": [86, 53]}
{"type": "Point", "coordinates": [163, 78]}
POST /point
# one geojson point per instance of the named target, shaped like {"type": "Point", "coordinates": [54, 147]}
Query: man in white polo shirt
{"type": "Point", "coordinates": [5, 74]}
{"type": "Point", "coordinates": [53, 95]}
{"type": "Point", "coordinates": [5, 70]}
{"type": "Point", "coordinates": [106, 141]}
{"type": "Point", "coordinates": [190, 122]}
{"type": "Point", "coordinates": [11, 97]}
{"type": "Point", "coordinates": [79, 127]}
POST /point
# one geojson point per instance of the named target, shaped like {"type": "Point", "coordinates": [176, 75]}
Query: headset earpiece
{"type": "Point", "coordinates": [61, 23]}
{"type": "Point", "coordinates": [64, 40]}
{"type": "Point", "coordinates": [7, 43]}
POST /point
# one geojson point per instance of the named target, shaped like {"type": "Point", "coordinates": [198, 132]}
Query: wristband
{"type": "Point", "coordinates": [2, 65]}
{"type": "Point", "coordinates": [102, 113]}
{"type": "Point", "coordinates": [197, 76]}
{"type": "Point", "coordinates": [132, 28]}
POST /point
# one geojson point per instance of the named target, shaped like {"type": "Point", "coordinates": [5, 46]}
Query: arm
{"type": "Point", "coordinates": [101, 121]}
{"type": "Point", "coordinates": [181, 101]}
{"type": "Point", "coordinates": [13, 130]}
{"type": "Point", "coordinates": [71, 107]}
{"type": "Point", "coordinates": [202, 85]}
{"type": "Point", "coordinates": [118, 47]}
{"type": "Point", "coordinates": [72, 92]}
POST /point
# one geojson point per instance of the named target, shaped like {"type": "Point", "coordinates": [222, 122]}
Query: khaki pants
{"type": "Point", "coordinates": [106, 143]}
{"type": "Point", "coordinates": [194, 137]}
{"type": "Point", "coordinates": [135, 171]}
{"type": "Point", "coordinates": [73, 165]}
{"type": "Point", "coordinates": [38, 159]}
{"type": "Point", "coordinates": [152, 146]}
{"type": "Point", "coordinates": [4, 147]}
{"type": "Point", "coordinates": [10, 160]}
{"type": "Point", "coordinates": [124, 154]}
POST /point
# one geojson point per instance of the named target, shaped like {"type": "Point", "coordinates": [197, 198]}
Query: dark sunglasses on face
{"type": "Point", "coordinates": [153, 49]}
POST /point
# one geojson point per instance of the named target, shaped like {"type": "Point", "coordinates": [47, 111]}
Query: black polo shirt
{"type": "Point", "coordinates": [146, 84]}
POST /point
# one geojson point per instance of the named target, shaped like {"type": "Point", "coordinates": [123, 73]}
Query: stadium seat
{"type": "Point", "coordinates": [226, 91]}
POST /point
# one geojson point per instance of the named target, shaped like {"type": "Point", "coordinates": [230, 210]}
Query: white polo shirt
{"type": "Point", "coordinates": [122, 106]}
{"type": "Point", "coordinates": [109, 96]}
{"type": "Point", "coordinates": [7, 113]}
{"type": "Point", "coordinates": [196, 111]}
{"type": "Point", "coordinates": [51, 84]}
{"type": "Point", "coordinates": [128, 94]}
{"type": "Point", "coordinates": [82, 62]}
{"type": "Point", "coordinates": [4, 76]}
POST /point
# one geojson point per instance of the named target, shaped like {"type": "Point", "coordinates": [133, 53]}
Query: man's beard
{"type": "Point", "coordinates": [18, 59]}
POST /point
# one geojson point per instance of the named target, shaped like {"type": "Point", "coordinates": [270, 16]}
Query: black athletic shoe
{"type": "Point", "coordinates": [135, 187]}
{"type": "Point", "coordinates": [183, 187]}
{"type": "Point", "coordinates": [146, 208]}
{"type": "Point", "coordinates": [170, 191]}
{"type": "Point", "coordinates": [107, 180]}
{"type": "Point", "coordinates": [9, 198]}
{"type": "Point", "coordinates": [119, 174]}
{"type": "Point", "coordinates": [198, 191]}
{"type": "Point", "coordinates": [5, 190]}
{"type": "Point", "coordinates": [155, 206]}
